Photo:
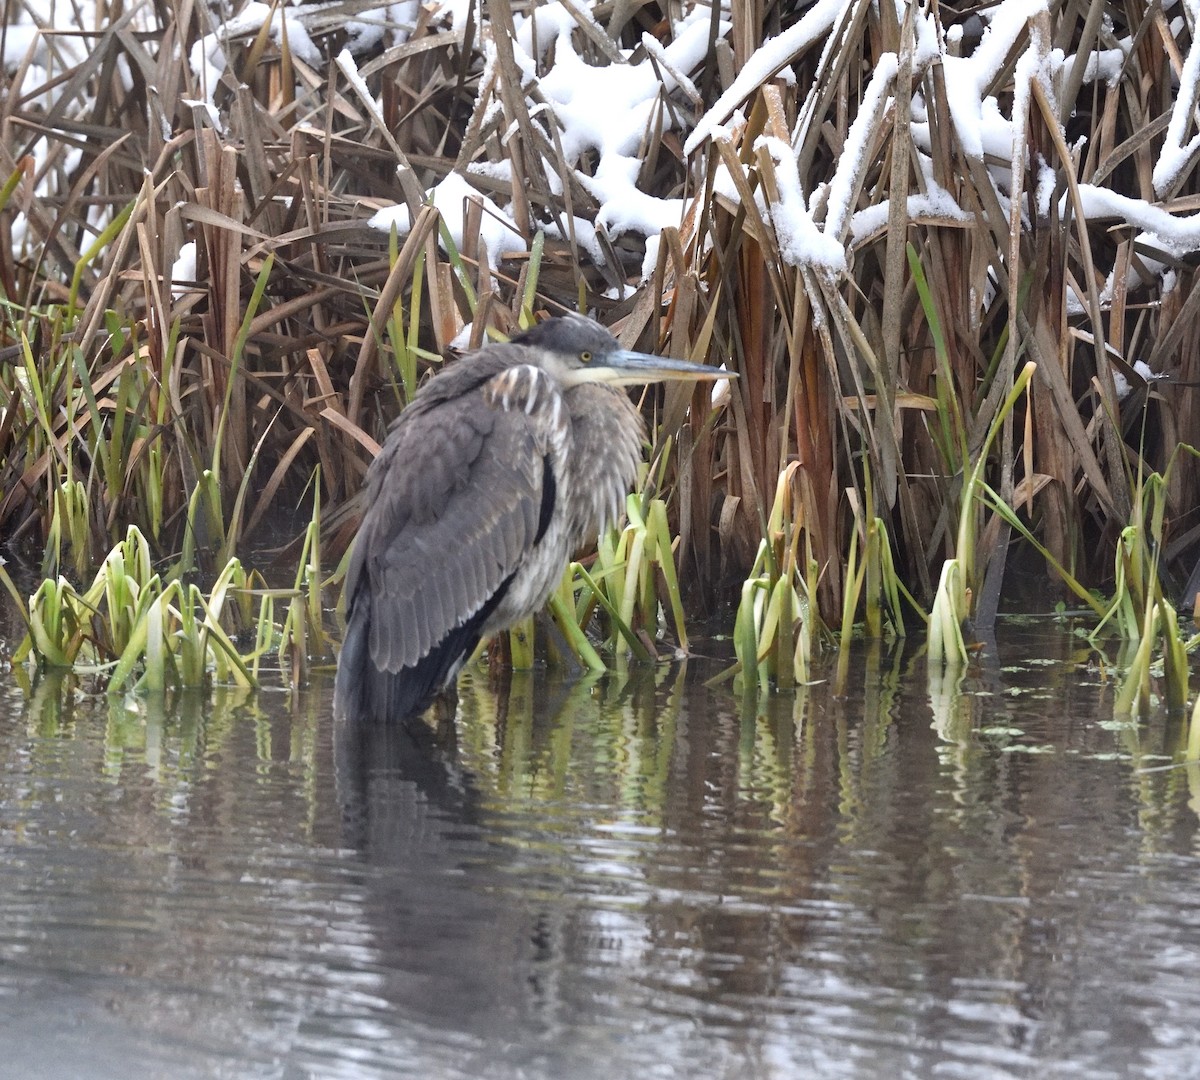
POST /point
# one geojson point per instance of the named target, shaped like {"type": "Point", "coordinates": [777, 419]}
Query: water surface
{"type": "Point", "coordinates": [637, 877]}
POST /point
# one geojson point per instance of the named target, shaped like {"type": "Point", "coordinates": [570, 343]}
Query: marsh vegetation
{"type": "Point", "coordinates": [949, 250]}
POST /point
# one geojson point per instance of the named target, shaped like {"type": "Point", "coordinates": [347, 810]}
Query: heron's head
{"type": "Point", "coordinates": [575, 349]}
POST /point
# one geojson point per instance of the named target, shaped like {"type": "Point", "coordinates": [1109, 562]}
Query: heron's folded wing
{"type": "Point", "coordinates": [456, 499]}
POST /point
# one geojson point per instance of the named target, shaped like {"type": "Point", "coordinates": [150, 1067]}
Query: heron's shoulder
{"type": "Point", "coordinates": [459, 378]}
{"type": "Point", "coordinates": [501, 372]}
{"type": "Point", "coordinates": [523, 388]}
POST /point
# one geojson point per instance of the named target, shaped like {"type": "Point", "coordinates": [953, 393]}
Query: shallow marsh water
{"type": "Point", "coordinates": [640, 877]}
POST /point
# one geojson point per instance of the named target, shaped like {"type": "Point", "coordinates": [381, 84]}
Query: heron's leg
{"type": "Point", "coordinates": [559, 647]}
{"type": "Point", "coordinates": [442, 713]}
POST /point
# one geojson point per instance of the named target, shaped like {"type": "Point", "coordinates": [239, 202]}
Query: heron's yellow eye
{"type": "Point", "coordinates": [586, 357]}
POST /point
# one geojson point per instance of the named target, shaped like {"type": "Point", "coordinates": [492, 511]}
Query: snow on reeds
{"type": "Point", "coordinates": [747, 185]}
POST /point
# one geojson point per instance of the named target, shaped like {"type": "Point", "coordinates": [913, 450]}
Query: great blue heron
{"type": "Point", "coordinates": [501, 467]}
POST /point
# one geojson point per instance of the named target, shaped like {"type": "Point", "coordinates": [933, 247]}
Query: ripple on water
{"type": "Point", "coordinates": [639, 879]}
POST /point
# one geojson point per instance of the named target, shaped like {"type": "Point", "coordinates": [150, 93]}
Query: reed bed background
{"type": "Point", "coordinates": [885, 424]}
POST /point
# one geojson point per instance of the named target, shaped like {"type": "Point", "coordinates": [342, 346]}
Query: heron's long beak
{"type": "Point", "coordinates": [628, 368]}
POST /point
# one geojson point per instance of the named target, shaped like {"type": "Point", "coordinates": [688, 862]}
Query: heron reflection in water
{"type": "Point", "coordinates": [503, 465]}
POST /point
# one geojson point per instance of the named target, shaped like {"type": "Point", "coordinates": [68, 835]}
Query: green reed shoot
{"type": "Point", "coordinates": [303, 632]}
{"type": "Point", "coordinates": [129, 623]}
{"type": "Point", "coordinates": [565, 611]}
{"type": "Point", "coordinates": [1139, 609]}
{"type": "Point", "coordinates": [991, 499]}
{"type": "Point", "coordinates": [633, 565]}
{"type": "Point", "coordinates": [951, 435]}
{"type": "Point", "coordinates": [403, 331]}
{"type": "Point", "coordinates": [951, 606]}
{"type": "Point", "coordinates": [97, 247]}
{"type": "Point", "coordinates": [529, 294]}
{"type": "Point", "coordinates": [777, 624]}
{"type": "Point", "coordinates": [629, 566]}
{"type": "Point", "coordinates": [458, 267]}
{"type": "Point", "coordinates": [872, 578]}
{"type": "Point", "coordinates": [69, 527]}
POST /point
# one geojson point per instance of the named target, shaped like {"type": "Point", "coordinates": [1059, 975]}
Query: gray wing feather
{"type": "Point", "coordinates": [454, 499]}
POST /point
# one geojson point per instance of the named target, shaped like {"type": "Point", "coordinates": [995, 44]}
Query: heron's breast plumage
{"type": "Point", "coordinates": [607, 434]}
{"type": "Point", "coordinates": [532, 397]}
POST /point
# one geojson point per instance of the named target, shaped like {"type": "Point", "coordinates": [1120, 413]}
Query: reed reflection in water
{"type": "Point", "coordinates": [991, 876]}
